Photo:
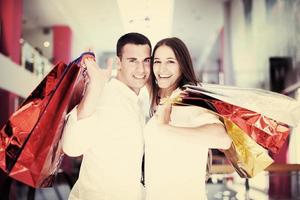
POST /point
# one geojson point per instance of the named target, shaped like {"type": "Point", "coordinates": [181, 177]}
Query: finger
{"type": "Point", "coordinates": [158, 113]}
{"type": "Point", "coordinates": [84, 72]}
{"type": "Point", "coordinates": [182, 95]}
{"type": "Point", "coordinates": [87, 61]}
{"type": "Point", "coordinates": [163, 113]}
{"type": "Point", "coordinates": [84, 58]}
{"type": "Point", "coordinates": [90, 63]}
{"type": "Point", "coordinates": [86, 79]}
{"type": "Point", "coordinates": [167, 113]}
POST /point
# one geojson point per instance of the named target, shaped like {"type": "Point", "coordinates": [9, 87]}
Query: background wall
{"type": "Point", "coordinates": [260, 30]}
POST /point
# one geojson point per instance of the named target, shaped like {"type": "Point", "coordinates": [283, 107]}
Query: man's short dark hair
{"type": "Point", "coordinates": [132, 38]}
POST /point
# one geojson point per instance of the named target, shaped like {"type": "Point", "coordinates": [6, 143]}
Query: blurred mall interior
{"type": "Point", "coordinates": [244, 43]}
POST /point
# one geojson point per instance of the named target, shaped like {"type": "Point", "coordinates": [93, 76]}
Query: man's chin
{"type": "Point", "coordinates": [140, 84]}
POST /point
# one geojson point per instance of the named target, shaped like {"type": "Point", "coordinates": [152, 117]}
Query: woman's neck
{"type": "Point", "coordinates": [165, 92]}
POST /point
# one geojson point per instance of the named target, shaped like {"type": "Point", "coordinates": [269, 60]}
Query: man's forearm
{"type": "Point", "coordinates": [90, 100]}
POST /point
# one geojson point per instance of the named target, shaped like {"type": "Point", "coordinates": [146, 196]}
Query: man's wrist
{"type": "Point", "coordinates": [96, 85]}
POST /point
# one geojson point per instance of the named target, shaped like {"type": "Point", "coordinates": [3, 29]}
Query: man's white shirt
{"type": "Point", "coordinates": [111, 142]}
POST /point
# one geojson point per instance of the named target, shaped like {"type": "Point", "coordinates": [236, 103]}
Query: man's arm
{"type": "Point", "coordinates": [97, 79]}
{"type": "Point", "coordinates": [78, 135]}
{"type": "Point", "coordinates": [81, 124]}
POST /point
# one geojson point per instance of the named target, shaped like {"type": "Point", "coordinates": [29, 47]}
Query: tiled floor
{"type": "Point", "coordinates": [216, 191]}
{"type": "Point", "coordinates": [61, 191]}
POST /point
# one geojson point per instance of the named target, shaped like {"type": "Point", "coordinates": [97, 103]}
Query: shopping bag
{"type": "Point", "coordinates": [30, 148]}
{"type": "Point", "coordinates": [247, 118]}
{"type": "Point", "coordinates": [273, 105]}
{"type": "Point", "coordinates": [269, 133]}
{"type": "Point", "coordinates": [246, 156]}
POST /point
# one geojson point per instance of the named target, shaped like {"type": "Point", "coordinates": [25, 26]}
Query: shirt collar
{"type": "Point", "coordinates": [125, 90]}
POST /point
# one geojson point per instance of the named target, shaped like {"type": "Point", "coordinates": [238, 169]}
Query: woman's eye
{"type": "Point", "coordinates": [170, 62]}
{"type": "Point", "coordinates": [156, 62]}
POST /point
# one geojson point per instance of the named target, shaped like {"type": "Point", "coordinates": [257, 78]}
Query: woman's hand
{"type": "Point", "coordinates": [163, 113]}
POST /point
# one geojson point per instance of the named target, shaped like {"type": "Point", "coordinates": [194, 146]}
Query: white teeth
{"type": "Point", "coordinates": [164, 76]}
{"type": "Point", "coordinates": [139, 77]}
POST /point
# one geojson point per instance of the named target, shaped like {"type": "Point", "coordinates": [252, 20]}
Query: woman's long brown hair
{"type": "Point", "coordinates": [185, 65]}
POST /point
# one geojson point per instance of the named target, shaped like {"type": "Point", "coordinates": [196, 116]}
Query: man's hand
{"type": "Point", "coordinates": [95, 73]}
{"type": "Point", "coordinates": [97, 78]}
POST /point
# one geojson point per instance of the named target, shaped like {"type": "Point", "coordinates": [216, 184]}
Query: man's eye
{"type": "Point", "coordinates": [147, 61]}
{"type": "Point", "coordinates": [156, 62]}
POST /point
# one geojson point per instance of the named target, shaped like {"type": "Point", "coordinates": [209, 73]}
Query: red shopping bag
{"type": "Point", "coordinates": [30, 148]}
{"type": "Point", "coordinates": [269, 133]}
{"type": "Point", "coordinates": [253, 125]}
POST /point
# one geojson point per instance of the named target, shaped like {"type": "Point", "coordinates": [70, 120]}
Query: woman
{"type": "Point", "coordinates": [177, 138]}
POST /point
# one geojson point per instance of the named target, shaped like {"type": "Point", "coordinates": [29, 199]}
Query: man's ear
{"type": "Point", "coordinates": [118, 63]}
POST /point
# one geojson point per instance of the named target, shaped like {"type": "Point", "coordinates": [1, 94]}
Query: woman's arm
{"type": "Point", "coordinates": [212, 133]}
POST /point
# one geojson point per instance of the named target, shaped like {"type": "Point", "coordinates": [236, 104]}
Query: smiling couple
{"type": "Point", "coordinates": [108, 127]}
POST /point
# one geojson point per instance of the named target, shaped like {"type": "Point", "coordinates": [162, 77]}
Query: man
{"type": "Point", "coordinates": [106, 127]}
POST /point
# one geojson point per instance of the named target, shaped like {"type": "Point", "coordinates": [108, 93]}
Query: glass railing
{"type": "Point", "coordinates": [34, 62]}
{"type": "Point", "coordinates": [226, 184]}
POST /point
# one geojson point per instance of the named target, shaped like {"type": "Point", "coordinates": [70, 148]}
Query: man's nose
{"type": "Point", "coordinates": [140, 67]}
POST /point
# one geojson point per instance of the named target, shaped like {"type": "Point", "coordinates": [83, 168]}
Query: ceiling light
{"type": "Point", "coordinates": [147, 17]}
{"type": "Point", "coordinates": [46, 44]}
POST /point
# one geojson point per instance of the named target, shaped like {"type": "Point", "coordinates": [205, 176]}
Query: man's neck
{"type": "Point", "coordinates": [136, 91]}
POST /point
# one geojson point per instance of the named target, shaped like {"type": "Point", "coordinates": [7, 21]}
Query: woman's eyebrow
{"type": "Point", "coordinates": [169, 58]}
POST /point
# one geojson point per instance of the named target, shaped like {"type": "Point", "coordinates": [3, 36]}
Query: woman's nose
{"type": "Point", "coordinates": [162, 68]}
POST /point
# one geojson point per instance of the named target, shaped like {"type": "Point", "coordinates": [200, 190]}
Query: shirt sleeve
{"type": "Point", "coordinates": [192, 117]}
{"type": "Point", "coordinates": [78, 134]}
{"type": "Point", "coordinates": [206, 118]}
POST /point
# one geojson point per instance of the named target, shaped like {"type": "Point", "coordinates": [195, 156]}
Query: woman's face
{"type": "Point", "coordinates": [166, 68]}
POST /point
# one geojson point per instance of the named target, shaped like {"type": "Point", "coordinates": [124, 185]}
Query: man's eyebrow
{"type": "Point", "coordinates": [147, 58]}
{"type": "Point", "coordinates": [131, 58]}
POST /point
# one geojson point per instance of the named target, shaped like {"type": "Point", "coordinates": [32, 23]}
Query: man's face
{"type": "Point", "coordinates": [134, 66]}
